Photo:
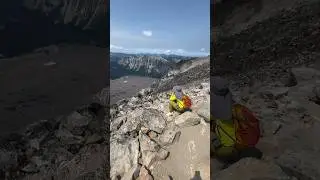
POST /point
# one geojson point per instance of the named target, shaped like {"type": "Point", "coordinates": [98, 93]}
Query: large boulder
{"type": "Point", "coordinates": [66, 137]}
{"type": "Point", "coordinates": [204, 111]}
{"type": "Point", "coordinates": [149, 118]}
{"type": "Point", "coordinates": [76, 123]}
{"type": "Point", "coordinates": [303, 164]}
{"type": "Point", "coordinates": [151, 151]}
{"type": "Point", "coordinates": [154, 120]}
{"type": "Point", "coordinates": [123, 157]}
{"type": "Point", "coordinates": [305, 74]}
{"type": "Point", "coordinates": [133, 122]}
{"type": "Point", "coordinates": [169, 136]}
{"type": "Point", "coordinates": [187, 119]}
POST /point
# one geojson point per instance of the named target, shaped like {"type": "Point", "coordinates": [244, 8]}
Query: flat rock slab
{"type": "Point", "coordinates": [191, 153]}
{"type": "Point", "coordinates": [250, 168]}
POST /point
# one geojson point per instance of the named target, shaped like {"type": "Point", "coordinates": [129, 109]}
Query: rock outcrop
{"type": "Point", "coordinates": [27, 24]}
{"type": "Point", "coordinates": [143, 130]}
{"type": "Point", "coordinates": [67, 147]}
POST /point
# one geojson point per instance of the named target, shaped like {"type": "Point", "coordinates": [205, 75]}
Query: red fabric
{"type": "Point", "coordinates": [247, 128]}
{"type": "Point", "coordinates": [186, 101]}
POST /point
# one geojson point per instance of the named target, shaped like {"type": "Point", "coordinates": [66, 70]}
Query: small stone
{"type": "Point", "coordinates": [34, 143]}
{"type": "Point", "coordinates": [152, 135]}
{"type": "Point", "coordinates": [277, 92]}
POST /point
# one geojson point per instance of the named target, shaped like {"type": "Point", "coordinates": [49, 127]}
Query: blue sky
{"type": "Point", "coordinates": [160, 26]}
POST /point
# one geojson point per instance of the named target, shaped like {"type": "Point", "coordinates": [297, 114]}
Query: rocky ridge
{"type": "Point", "coordinates": [144, 64]}
{"type": "Point", "coordinates": [142, 129]}
{"type": "Point", "coordinates": [187, 72]}
{"type": "Point", "coordinates": [27, 24]}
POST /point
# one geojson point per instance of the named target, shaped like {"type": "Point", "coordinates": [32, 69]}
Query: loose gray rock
{"type": "Point", "coordinates": [187, 119]}
{"type": "Point", "coordinates": [277, 93]}
{"type": "Point", "coordinates": [204, 111]}
{"type": "Point", "coordinates": [67, 137]}
{"type": "Point", "coordinates": [133, 173]}
{"type": "Point", "coordinates": [133, 122]}
{"type": "Point", "coordinates": [145, 174]}
{"type": "Point", "coordinates": [76, 123]}
{"type": "Point", "coordinates": [146, 144]}
{"type": "Point", "coordinates": [316, 91]}
{"type": "Point", "coordinates": [169, 136]}
{"type": "Point", "coordinates": [305, 74]}
{"type": "Point", "coordinates": [154, 120]}
{"type": "Point", "coordinates": [123, 156]}
{"type": "Point", "coordinates": [149, 157]}
{"type": "Point", "coordinates": [116, 123]}
{"type": "Point", "coordinates": [303, 164]}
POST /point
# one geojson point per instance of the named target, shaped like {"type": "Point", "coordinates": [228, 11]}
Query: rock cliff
{"type": "Point", "coordinates": [27, 24]}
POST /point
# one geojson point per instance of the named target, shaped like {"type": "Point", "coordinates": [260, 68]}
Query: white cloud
{"type": "Point", "coordinates": [167, 51]}
{"type": "Point", "coordinates": [115, 47]}
{"type": "Point", "coordinates": [202, 50]}
{"type": "Point", "coordinates": [180, 51]}
{"type": "Point", "coordinates": [147, 33]}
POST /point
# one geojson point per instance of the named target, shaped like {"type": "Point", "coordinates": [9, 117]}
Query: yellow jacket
{"type": "Point", "coordinates": [178, 101]}
{"type": "Point", "coordinates": [225, 132]}
{"type": "Point", "coordinates": [225, 129]}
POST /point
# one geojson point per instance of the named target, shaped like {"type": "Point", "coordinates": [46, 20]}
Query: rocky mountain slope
{"type": "Point", "coordinates": [271, 47]}
{"type": "Point", "coordinates": [145, 136]}
{"type": "Point", "coordinates": [76, 145]}
{"type": "Point", "coordinates": [289, 118]}
{"type": "Point", "coordinates": [27, 24]}
{"type": "Point", "coordinates": [273, 68]}
{"type": "Point", "coordinates": [186, 72]}
{"type": "Point", "coordinates": [143, 64]}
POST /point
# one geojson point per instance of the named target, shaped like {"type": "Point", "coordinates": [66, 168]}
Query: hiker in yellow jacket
{"type": "Point", "coordinates": [228, 145]}
{"type": "Point", "coordinates": [222, 117]}
{"type": "Point", "coordinates": [178, 100]}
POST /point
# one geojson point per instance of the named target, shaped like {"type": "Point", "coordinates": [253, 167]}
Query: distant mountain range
{"type": "Point", "coordinates": [152, 65]}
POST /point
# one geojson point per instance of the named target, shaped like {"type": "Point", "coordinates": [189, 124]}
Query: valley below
{"type": "Point", "coordinates": [128, 86]}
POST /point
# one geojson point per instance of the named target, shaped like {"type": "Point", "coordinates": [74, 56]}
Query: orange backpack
{"type": "Point", "coordinates": [247, 128]}
{"type": "Point", "coordinates": [186, 101]}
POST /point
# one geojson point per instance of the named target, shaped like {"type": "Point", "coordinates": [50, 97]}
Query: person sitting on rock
{"type": "Point", "coordinates": [236, 130]}
{"type": "Point", "coordinates": [179, 101]}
